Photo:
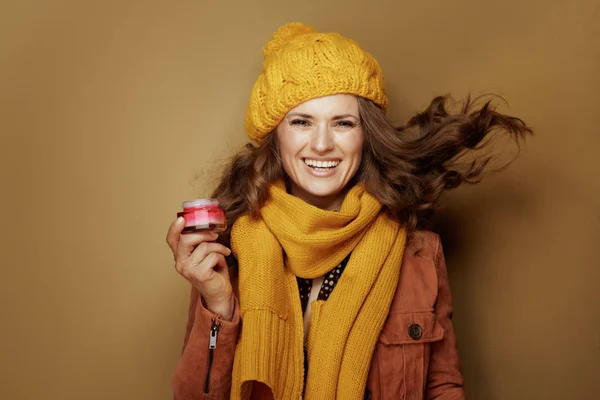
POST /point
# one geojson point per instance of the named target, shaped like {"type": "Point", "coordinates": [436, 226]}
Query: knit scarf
{"type": "Point", "coordinates": [344, 329]}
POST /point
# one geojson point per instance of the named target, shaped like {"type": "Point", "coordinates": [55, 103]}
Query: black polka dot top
{"type": "Point", "coordinates": [329, 282]}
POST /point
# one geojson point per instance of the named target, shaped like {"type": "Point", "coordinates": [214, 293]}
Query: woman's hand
{"type": "Point", "coordinates": [201, 260]}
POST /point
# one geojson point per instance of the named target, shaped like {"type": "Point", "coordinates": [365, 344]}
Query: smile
{"type": "Point", "coordinates": [321, 164]}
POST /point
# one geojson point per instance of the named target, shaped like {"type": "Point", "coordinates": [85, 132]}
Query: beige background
{"type": "Point", "coordinates": [109, 110]}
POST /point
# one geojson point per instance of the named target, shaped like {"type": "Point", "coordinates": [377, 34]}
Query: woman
{"type": "Point", "coordinates": [330, 290]}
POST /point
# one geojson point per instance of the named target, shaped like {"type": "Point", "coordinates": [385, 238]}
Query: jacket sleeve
{"type": "Point", "coordinates": [444, 378]}
{"type": "Point", "coordinates": [204, 373]}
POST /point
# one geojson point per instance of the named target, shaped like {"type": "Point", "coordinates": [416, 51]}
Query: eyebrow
{"type": "Point", "coordinates": [308, 116]}
{"type": "Point", "coordinates": [345, 116]}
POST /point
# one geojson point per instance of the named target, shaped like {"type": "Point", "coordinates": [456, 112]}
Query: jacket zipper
{"type": "Point", "coordinates": [212, 345]}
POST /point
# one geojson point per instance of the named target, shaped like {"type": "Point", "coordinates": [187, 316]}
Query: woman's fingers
{"type": "Point", "coordinates": [206, 248]}
{"type": "Point", "coordinates": [190, 241]}
{"type": "Point", "coordinates": [201, 252]}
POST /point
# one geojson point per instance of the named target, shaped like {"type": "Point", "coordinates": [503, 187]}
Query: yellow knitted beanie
{"type": "Point", "coordinates": [302, 64]}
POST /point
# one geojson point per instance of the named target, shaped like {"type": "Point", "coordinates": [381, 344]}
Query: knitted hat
{"type": "Point", "coordinates": [302, 64]}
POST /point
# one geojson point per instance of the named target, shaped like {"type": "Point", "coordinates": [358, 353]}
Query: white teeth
{"type": "Point", "coordinates": [321, 164]}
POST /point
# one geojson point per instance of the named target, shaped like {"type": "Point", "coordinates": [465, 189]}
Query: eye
{"type": "Point", "coordinates": [346, 124]}
{"type": "Point", "coordinates": [300, 122]}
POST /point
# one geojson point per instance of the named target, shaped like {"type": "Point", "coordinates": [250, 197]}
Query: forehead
{"type": "Point", "coordinates": [329, 105]}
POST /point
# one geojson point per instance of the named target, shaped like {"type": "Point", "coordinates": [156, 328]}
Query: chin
{"type": "Point", "coordinates": [322, 190]}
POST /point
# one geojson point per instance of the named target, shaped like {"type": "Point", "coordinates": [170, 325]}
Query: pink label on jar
{"type": "Point", "coordinates": [203, 215]}
{"type": "Point", "coordinates": [195, 218]}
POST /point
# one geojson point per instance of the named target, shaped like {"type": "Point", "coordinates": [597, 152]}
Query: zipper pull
{"type": "Point", "coordinates": [214, 330]}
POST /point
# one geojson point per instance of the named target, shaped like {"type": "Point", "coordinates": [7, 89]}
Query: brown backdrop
{"type": "Point", "coordinates": [112, 113]}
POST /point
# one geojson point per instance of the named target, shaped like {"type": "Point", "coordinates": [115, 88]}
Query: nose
{"type": "Point", "coordinates": [322, 140]}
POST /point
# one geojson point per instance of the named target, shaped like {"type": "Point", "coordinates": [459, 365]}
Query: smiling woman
{"type": "Point", "coordinates": [341, 295]}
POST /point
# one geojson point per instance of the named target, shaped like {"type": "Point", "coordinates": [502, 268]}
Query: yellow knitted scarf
{"type": "Point", "coordinates": [344, 329]}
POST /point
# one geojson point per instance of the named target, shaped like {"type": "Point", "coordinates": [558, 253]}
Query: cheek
{"type": "Point", "coordinates": [355, 149]}
{"type": "Point", "coordinates": [287, 149]}
{"type": "Point", "coordinates": [286, 163]}
{"type": "Point", "coordinates": [353, 145]}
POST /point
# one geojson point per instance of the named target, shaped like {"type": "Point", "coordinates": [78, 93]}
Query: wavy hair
{"type": "Point", "coordinates": [406, 168]}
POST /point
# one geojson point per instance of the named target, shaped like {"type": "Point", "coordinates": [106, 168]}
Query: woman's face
{"type": "Point", "coordinates": [321, 144]}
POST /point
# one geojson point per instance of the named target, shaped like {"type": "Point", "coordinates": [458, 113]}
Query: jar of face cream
{"type": "Point", "coordinates": [203, 215]}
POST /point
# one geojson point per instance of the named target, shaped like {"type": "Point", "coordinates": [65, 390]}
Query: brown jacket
{"type": "Point", "coordinates": [415, 358]}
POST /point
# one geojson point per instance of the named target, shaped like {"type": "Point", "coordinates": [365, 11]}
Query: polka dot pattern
{"type": "Point", "coordinates": [331, 279]}
{"type": "Point", "coordinates": [304, 285]}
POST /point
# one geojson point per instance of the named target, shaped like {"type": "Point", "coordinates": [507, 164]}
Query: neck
{"type": "Point", "coordinates": [329, 203]}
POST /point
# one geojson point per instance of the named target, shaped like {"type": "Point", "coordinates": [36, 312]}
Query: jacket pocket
{"type": "Point", "coordinates": [403, 353]}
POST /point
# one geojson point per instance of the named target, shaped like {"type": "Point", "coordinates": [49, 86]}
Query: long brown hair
{"type": "Point", "coordinates": [406, 168]}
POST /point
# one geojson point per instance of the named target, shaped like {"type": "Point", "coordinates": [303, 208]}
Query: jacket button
{"type": "Point", "coordinates": [415, 331]}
